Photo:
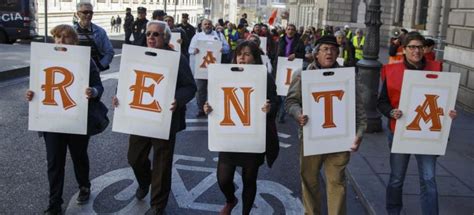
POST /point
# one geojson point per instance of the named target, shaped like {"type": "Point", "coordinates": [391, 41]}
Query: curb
{"type": "Point", "coordinates": [14, 73]}
{"type": "Point", "coordinates": [368, 207]}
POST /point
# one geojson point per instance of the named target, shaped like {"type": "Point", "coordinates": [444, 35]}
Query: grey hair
{"type": "Point", "coordinates": [316, 49]}
{"type": "Point", "coordinates": [257, 38]}
{"type": "Point", "coordinates": [163, 25]}
{"type": "Point", "coordinates": [359, 30]}
{"type": "Point", "coordinates": [81, 4]}
{"type": "Point", "coordinates": [205, 19]}
{"type": "Point", "coordinates": [339, 34]}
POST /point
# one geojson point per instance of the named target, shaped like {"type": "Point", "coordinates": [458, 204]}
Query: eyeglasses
{"type": "Point", "coordinates": [152, 33]}
{"type": "Point", "coordinates": [327, 49]}
{"type": "Point", "coordinates": [413, 47]}
{"type": "Point", "coordinates": [87, 12]}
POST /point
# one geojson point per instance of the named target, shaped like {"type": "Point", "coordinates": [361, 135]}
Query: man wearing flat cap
{"type": "Point", "coordinates": [325, 54]}
{"type": "Point", "coordinates": [139, 27]}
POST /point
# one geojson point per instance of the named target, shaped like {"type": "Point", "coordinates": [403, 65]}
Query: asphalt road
{"type": "Point", "coordinates": [24, 185]}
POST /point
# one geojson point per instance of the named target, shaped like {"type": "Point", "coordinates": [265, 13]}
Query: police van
{"type": "Point", "coordinates": [17, 20]}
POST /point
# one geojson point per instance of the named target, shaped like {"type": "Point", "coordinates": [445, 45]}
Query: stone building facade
{"type": "Point", "coordinates": [62, 11]}
{"type": "Point", "coordinates": [449, 22]}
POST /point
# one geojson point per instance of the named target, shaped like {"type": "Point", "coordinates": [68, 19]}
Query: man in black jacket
{"type": "Point", "coordinates": [188, 28]}
{"type": "Point", "coordinates": [127, 25]}
{"type": "Point", "coordinates": [158, 35]}
{"type": "Point", "coordinates": [139, 27]}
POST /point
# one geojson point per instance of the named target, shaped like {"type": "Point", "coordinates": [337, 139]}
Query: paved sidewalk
{"type": "Point", "coordinates": [369, 171]}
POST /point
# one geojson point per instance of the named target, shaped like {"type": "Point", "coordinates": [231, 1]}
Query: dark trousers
{"type": "Point", "coordinates": [56, 149]}
{"type": "Point", "coordinates": [201, 94]}
{"type": "Point", "coordinates": [160, 176]}
{"type": "Point", "coordinates": [127, 36]}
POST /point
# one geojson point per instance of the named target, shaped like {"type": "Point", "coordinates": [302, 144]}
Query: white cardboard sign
{"type": "Point", "coordinates": [174, 41]}
{"type": "Point", "coordinates": [237, 123]}
{"type": "Point", "coordinates": [285, 70]}
{"type": "Point", "coordinates": [425, 101]}
{"type": "Point", "coordinates": [266, 61]}
{"type": "Point", "coordinates": [209, 53]}
{"type": "Point", "coordinates": [146, 88]}
{"type": "Point", "coordinates": [329, 101]}
{"type": "Point", "coordinates": [263, 44]}
{"type": "Point", "coordinates": [59, 76]}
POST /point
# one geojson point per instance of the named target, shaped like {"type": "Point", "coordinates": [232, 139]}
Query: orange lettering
{"type": "Point", "coordinates": [208, 59]}
{"type": "Point", "coordinates": [139, 89]}
{"type": "Point", "coordinates": [288, 76]}
{"type": "Point", "coordinates": [433, 116]}
{"type": "Point", "coordinates": [328, 107]}
{"type": "Point", "coordinates": [243, 112]}
{"type": "Point", "coordinates": [50, 86]}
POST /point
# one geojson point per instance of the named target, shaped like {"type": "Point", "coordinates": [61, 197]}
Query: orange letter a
{"type": "Point", "coordinates": [208, 59]}
{"type": "Point", "coordinates": [328, 107]}
{"type": "Point", "coordinates": [139, 89]}
{"type": "Point", "coordinates": [243, 112]}
{"type": "Point", "coordinates": [50, 86]}
{"type": "Point", "coordinates": [434, 115]}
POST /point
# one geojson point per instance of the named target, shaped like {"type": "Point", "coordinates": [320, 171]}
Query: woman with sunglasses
{"type": "Point", "coordinates": [57, 143]}
{"type": "Point", "coordinates": [248, 52]}
{"type": "Point", "coordinates": [389, 98]}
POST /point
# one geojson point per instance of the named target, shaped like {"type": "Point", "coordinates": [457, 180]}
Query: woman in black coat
{"type": "Point", "coordinates": [248, 52]}
{"type": "Point", "coordinates": [57, 143]}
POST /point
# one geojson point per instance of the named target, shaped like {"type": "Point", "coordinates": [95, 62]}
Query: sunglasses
{"type": "Point", "coordinates": [152, 33]}
{"type": "Point", "coordinates": [87, 12]}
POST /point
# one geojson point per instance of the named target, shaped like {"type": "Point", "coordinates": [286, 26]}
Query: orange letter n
{"type": "Point", "coordinates": [139, 89]}
{"type": "Point", "coordinates": [50, 86]}
{"type": "Point", "coordinates": [328, 107]}
{"type": "Point", "coordinates": [243, 112]}
{"type": "Point", "coordinates": [433, 116]}
{"type": "Point", "coordinates": [208, 59]}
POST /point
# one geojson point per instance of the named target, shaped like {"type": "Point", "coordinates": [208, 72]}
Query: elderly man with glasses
{"type": "Point", "coordinates": [93, 36]}
{"type": "Point", "coordinates": [325, 54]}
{"type": "Point", "coordinates": [158, 35]}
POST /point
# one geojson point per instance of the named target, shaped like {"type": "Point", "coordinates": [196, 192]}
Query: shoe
{"type": "Point", "coordinates": [83, 197]}
{"type": "Point", "coordinates": [154, 211]}
{"type": "Point", "coordinates": [227, 209]}
{"type": "Point", "coordinates": [200, 114]}
{"type": "Point", "coordinates": [53, 210]}
{"type": "Point", "coordinates": [141, 193]}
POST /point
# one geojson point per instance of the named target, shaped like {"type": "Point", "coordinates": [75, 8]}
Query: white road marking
{"type": "Point", "coordinates": [196, 128]}
{"type": "Point", "coordinates": [283, 135]}
{"type": "Point", "coordinates": [185, 198]}
{"type": "Point", "coordinates": [284, 145]}
{"type": "Point", "coordinates": [196, 120]}
{"type": "Point", "coordinates": [118, 55]}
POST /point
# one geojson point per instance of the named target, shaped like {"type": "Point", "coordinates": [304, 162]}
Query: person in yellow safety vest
{"type": "Point", "coordinates": [358, 41]}
{"type": "Point", "coordinates": [231, 35]}
{"type": "Point", "coordinates": [348, 33]}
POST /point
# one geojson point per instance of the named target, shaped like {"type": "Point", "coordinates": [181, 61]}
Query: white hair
{"type": "Point", "coordinates": [164, 25]}
{"type": "Point", "coordinates": [81, 4]}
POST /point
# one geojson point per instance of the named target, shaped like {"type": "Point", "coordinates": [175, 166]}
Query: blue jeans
{"type": "Point", "coordinates": [426, 172]}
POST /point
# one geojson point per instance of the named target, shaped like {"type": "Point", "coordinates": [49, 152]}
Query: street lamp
{"type": "Point", "coordinates": [369, 67]}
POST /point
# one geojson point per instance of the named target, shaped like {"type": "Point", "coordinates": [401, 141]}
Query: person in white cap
{"type": "Point", "coordinates": [348, 33]}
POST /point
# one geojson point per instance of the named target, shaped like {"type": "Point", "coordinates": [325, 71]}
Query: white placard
{"type": "Point", "coordinates": [428, 95]}
{"type": "Point", "coordinates": [59, 76]}
{"type": "Point", "coordinates": [146, 91]}
{"type": "Point", "coordinates": [209, 53]}
{"type": "Point", "coordinates": [174, 41]}
{"type": "Point", "coordinates": [266, 61]}
{"type": "Point", "coordinates": [285, 70]}
{"type": "Point", "coordinates": [237, 123]}
{"type": "Point", "coordinates": [263, 44]}
{"type": "Point", "coordinates": [329, 101]}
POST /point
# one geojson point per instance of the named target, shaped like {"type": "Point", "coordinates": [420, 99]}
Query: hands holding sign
{"type": "Point", "coordinates": [266, 107]}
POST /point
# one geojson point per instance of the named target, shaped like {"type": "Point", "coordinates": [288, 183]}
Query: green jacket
{"type": "Point", "coordinates": [294, 101]}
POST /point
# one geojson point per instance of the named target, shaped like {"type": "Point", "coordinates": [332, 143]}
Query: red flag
{"type": "Point", "coordinates": [272, 18]}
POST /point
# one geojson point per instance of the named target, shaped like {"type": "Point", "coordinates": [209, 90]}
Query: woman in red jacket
{"type": "Point", "coordinates": [392, 76]}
